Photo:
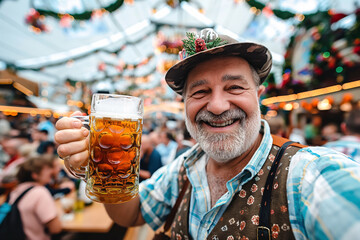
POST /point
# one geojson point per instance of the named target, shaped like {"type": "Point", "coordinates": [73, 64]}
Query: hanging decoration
{"type": "Point", "coordinates": [326, 55]}
{"type": "Point", "coordinates": [168, 44]}
{"type": "Point", "coordinates": [36, 21]}
{"type": "Point", "coordinates": [170, 47]}
{"type": "Point", "coordinates": [115, 51]}
{"type": "Point", "coordinates": [85, 15]}
{"type": "Point", "coordinates": [66, 21]}
{"type": "Point", "coordinates": [260, 7]}
{"type": "Point", "coordinates": [176, 4]}
{"type": "Point", "coordinates": [322, 57]}
{"type": "Point", "coordinates": [165, 65]}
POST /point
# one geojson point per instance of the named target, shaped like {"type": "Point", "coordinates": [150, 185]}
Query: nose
{"type": "Point", "coordinates": [218, 103]}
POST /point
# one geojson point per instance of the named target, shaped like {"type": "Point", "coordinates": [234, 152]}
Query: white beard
{"type": "Point", "coordinates": [224, 147]}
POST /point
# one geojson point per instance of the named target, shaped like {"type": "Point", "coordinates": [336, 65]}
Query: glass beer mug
{"type": "Point", "coordinates": [112, 172]}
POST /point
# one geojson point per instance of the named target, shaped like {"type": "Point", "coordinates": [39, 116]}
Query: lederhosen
{"type": "Point", "coordinates": [241, 218]}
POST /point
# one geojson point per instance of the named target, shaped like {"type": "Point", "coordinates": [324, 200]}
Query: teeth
{"type": "Point", "coordinates": [224, 124]}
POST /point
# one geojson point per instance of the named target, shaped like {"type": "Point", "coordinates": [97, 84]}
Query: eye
{"type": "Point", "coordinates": [199, 93]}
{"type": "Point", "coordinates": [236, 89]}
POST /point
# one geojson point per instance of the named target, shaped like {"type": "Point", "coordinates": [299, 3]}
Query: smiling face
{"type": "Point", "coordinates": [222, 107]}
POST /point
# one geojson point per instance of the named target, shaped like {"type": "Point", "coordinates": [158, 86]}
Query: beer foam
{"type": "Point", "coordinates": [118, 107]}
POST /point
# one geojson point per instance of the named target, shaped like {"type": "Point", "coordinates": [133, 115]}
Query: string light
{"type": "Point", "coordinates": [325, 104]}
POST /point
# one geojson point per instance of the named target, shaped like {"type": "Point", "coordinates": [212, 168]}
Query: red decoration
{"type": "Point", "coordinates": [332, 62]}
{"type": "Point", "coordinates": [347, 97]}
{"type": "Point", "coordinates": [318, 71]}
{"type": "Point", "coordinates": [102, 67]}
{"type": "Point", "coordinates": [200, 45]}
{"type": "Point", "coordinates": [336, 17]}
{"type": "Point", "coordinates": [356, 50]}
{"type": "Point", "coordinates": [314, 102]}
{"type": "Point", "coordinates": [66, 21]}
{"type": "Point", "coordinates": [330, 99]}
{"type": "Point", "coordinates": [36, 21]}
{"type": "Point", "coordinates": [286, 78]}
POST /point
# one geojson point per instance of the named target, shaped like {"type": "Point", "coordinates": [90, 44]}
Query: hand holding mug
{"type": "Point", "coordinates": [112, 172]}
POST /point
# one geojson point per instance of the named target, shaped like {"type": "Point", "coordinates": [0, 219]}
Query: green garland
{"type": "Point", "coordinates": [277, 12]}
{"type": "Point", "coordinates": [79, 16]}
{"type": "Point", "coordinates": [328, 67]}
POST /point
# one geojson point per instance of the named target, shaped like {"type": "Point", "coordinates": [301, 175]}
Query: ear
{"type": "Point", "coordinates": [260, 90]}
{"type": "Point", "coordinates": [35, 176]}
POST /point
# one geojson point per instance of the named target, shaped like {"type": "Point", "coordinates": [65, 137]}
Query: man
{"type": "Point", "coordinates": [350, 143]}
{"type": "Point", "coordinates": [313, 196]}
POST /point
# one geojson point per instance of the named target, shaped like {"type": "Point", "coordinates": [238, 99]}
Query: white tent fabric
{"type": "Point", "coordinates": [129, 31]}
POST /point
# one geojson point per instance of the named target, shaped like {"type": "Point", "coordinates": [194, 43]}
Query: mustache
{"type": "Point", "coordinates": [207, 116]}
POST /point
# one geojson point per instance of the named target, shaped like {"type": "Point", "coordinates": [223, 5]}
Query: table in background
{"type": "Point", "coordinates": [92, 218]}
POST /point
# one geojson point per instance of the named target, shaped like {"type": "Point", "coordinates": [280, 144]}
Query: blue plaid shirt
{"type": "Point", "coordinates": [323, 190]}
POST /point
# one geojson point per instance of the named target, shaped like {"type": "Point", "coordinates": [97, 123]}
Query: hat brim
{"type": "Point", "coordinates": [257, 55]}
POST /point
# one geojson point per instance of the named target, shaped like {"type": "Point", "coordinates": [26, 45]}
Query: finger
{"type": "Point", "coordinates": [68, 122]}
{"type": "Point", "coordinates": [71, 135]}
{"type": "Point", "coordinates": [77, 113]}
{"type": "Point", "coordinates": [72, 148]}
{"type": "Point", "coordinates": [79, 159]}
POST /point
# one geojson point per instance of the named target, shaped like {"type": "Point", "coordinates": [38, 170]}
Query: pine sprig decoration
{"type": "Point", "coordinates": [190, 46]}
{"type": "Point", "coordinates": [189, 43]}
{"type": "Point", "coordinates": [216, 43]}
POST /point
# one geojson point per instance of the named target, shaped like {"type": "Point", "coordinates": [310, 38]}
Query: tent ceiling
{"type": "Point", "coordinates": [130, 32]}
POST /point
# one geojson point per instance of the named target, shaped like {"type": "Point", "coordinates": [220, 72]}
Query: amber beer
{"type": "Point", "coordinates": [113, 174]}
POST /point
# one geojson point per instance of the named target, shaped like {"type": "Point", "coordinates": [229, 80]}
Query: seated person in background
{"type": "Point", "coordinates": [11, 146]}
{"type": "Point", "coordinates": [167, 147]}
{"type": "Point", "coordinates": [8, 174]}
{"type": "Point", "coordinates": [150, 158]}
{"type": "Point", "coordinates": [185, 143]}
{"type": "Point", "coordinates": [330, 132]}
{"type": "Point", "coordinates": [350, 143]}
{"type": "Point", "coordinates": [60, 183]}
{"type": "Point", "coordinates": [277, 126]}
{"type": "Point", "coordinates": [37, 208]}
{"type": "Point", "coordinates": [47, 147]}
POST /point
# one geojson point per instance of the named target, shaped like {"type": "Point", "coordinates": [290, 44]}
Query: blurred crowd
{"type": "Point", "coordinates": [28, 153]}
{"type": "Point", "coordinates": [28, 158]}
{"type": "Point", "coordinates": [165, 137]}
{"type": "Point", "coordinates": [314, 130]}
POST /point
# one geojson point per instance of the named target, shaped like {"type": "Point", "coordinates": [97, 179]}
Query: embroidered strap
{"type": "Point", "coordinates": [263, 230]}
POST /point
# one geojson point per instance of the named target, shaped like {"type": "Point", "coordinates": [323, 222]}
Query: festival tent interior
{"type": "Point", "coordinates": [55, 54]}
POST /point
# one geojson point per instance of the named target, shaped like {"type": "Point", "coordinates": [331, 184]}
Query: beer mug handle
{"type": "Point", "coordinates": [79, 172]}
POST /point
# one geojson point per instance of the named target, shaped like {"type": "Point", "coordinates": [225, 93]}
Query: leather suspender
{"type": "Point", "coordinates": [171, 216]}
{"type": "Point", "coordinates": [263, 230]}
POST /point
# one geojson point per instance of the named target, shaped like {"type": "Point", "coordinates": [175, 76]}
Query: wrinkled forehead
{"type": "Point", "coordinates": [205, 67]}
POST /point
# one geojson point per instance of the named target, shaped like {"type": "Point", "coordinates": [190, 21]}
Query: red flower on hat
{"type": "Point", "coordinates": [200, 45]}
